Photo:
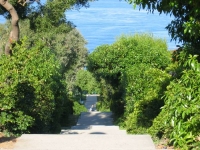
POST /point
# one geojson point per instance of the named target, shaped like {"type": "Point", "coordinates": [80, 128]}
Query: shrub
{"type": "Point", "coordinates": [160, 127]}
{"type": "Point", "coordinates": [180, 119]}
{"type": "Point", "coordinates": [78, 108]}
{"type": "Point", "coordinates": [108, 61]}
{"type": "Point", "coordinates": [86, 83]}
{"type": "Point", "coordinates": [182, 102]}
{"type": "Point", "coordinates": [145, 87]}
{"type": "Point", "coordinates": [31, 93]}
{"type": "Point", "coordinates": [111, 61]}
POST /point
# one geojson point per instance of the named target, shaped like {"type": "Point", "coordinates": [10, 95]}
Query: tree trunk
{"type": "Point", "coordinates": [14, 34]}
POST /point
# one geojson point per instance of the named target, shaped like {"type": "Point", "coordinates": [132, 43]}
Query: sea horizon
{"type": "Point", "coordinates": [106, 20]}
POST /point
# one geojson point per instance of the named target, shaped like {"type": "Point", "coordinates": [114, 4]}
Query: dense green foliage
{"type": "Point", "coordinates": [145, 87]}
{"type": "Point", "coordinates": [78, 108]}
{"type": "Point", "coordinates": [180, 112]}
{"type": "Point", "coordinates": [179, 119]}
{"type": "Point", "coordinates": [86, 82]}
{"type": "Point", "coordinates": [148, 92]}
{"type": "Point", "coordinates": [68, 47]}
{"type": "Point", "coordinates": [49, 104]}
{"type": "Point", "coordinates": [110, 62]}
{"type": "Point", "coordinates": [41, 72]}
{"type": "Point", "coordinates": [104, 101]}
{"type": "Point", "coordinates": [32, 90]}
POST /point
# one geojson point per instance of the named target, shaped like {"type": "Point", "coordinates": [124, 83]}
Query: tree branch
{"type": "Point", "coordinates": [14, 34]}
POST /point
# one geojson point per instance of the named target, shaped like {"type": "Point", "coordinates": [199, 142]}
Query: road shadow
{"type": "Point", "coordinates": [97, 133]}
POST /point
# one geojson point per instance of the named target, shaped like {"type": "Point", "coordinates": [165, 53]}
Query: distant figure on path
{"type": "Point", "coordinates": [91, 108]}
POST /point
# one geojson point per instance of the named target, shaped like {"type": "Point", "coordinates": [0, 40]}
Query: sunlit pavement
{"type": "Point", "coordinates": [93, 131]}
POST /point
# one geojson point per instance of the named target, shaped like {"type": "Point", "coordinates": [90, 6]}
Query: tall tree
{"type": "Point", "coordinates": [52, 13]}
{"type": "Point", "coordinates": [14, 34]}
{"type": "Point", "coordinates": [68, 46]}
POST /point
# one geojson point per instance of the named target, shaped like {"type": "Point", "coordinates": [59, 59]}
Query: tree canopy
{"type": "Point", "coordinates": [86, 82]}
{"type": "Point", "coordinates": [185, 27]}
{"type": "Point", "coordinates": [42, 17]}
{"type": "Point", "coordinates": [109, 64]}
{"type": "Point", "coordinates": [50, 56]}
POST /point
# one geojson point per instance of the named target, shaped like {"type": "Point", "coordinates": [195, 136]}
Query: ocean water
{"type": "Point", "coordinates": [106, 20]}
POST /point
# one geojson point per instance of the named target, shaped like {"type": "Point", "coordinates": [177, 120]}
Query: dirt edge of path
{"type": "Point", "coordinates": [7, 143]}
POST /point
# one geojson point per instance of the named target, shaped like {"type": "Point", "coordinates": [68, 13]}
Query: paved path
{"type": "Point", "coordinates": [93, 131]}
{"type": "Point", "coordinates": [91, 100]}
